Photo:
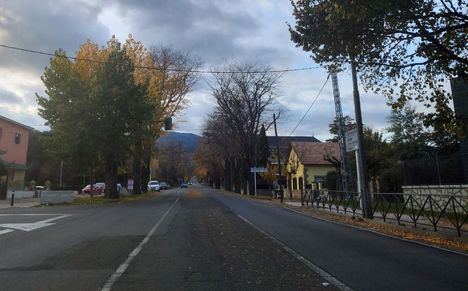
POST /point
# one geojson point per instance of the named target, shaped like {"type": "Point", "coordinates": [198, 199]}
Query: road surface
{"type": "Point", "coordinates": [203, 239]}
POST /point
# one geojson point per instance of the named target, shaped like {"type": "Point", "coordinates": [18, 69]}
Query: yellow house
{"type": "Point", "coordinates": [308, 164]}
{"type": "Point", "coordinates": [284, 143]}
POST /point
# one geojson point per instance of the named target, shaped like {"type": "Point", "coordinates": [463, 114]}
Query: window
{"type": "Point", "coordinates": [17, 138]}
{"type": "Point", "coordinates": [301, 183]}
{"type": "Point", "coordinates": [294, 183]}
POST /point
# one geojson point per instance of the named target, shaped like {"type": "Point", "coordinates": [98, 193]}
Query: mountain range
{"type": "Point", "coordinates": [188, 140]}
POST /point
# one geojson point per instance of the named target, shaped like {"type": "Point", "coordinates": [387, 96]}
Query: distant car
{"type": "Point", "coordinates": [183, 185]}
{"type": "Point", "coordinates": [163, 185]}
{"type": "Point", "coordinates": [39, 188]}
{"type": "Point", "coordinates": [190, 183]}
{"type": "Point", "coordinates": [153, 186]}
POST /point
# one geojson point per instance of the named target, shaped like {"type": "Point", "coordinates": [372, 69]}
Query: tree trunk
{"type": "Point", "coordinates": [145, 174]}
{"type": "Point", "coordinates": [111, 177]}
{"type": "Point", "coordinates": [137, 168]}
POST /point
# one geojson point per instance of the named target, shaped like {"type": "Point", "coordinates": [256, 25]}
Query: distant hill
{"type": "Point", "coordinates": [188, 140]}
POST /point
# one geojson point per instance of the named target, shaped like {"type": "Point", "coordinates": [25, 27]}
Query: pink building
{"type": "Point", "coordinates": [14, 139]}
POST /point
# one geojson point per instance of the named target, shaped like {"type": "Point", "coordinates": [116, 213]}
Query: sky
{"type": "Point", "coordinates": [216, 32]}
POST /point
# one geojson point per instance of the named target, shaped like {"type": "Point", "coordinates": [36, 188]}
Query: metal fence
{"type": "Point", "coordinates": [436, 211]}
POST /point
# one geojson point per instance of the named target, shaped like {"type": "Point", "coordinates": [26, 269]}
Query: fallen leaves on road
{"type": "Point", "coordinates": [193, 194]}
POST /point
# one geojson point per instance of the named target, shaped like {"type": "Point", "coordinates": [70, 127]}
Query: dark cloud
{"type": "Point", "coordinates": [46, 26]}
{"type": "Point", "coordinates": [8, 97]}
{"type": "Point", "coordinates": [217, 31]}
{"type": "Point", "coordinates": [209, 29]}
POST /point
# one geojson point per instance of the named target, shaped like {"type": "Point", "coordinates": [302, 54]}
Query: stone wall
{"type": "Point", "coordinates": [56, 197]}
{"type": "Point", "coordinates": [440, 194]}
{"type": "Point", "coordinates": [20, 194]}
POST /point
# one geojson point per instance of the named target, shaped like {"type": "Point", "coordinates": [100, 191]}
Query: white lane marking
{"type": "Point", "coordinates": [321, 272]}
{"type": "Point", "coordinates": [5, 231]}
{"type": "Point", "coordinates": [54, 218]}
{"type": "Point", "coordinates": [25, 226]}
{"type": "Point", "coordinates": [30, 214]}
{"type": "Point", "coordinates": [33, 225]}
{"type": "Point", "coordinates": [123, 267]}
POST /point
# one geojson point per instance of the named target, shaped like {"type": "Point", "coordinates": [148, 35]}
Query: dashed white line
{"type": "Point", "coordinates": [321, 272]}
{"type": "Point", "coordinates": [123, 267]}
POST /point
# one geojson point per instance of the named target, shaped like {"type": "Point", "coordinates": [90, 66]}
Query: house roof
{"type": "Point", "coordinates": [285, 141]}
{"type": "Point", "coordinates": [15, 123]}
{"type": "Point", "coordinates": [314, 153]}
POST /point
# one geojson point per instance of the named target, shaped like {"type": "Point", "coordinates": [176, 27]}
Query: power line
{"type": "Point", "coordinates": [312, 104]}
{"type": "Point", "coordinates": [25, 50]}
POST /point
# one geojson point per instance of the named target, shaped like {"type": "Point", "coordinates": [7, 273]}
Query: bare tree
{"type": "Point", "coordinates": [176, 74]}
{"type": "Point", "coordinates": [246, 97]}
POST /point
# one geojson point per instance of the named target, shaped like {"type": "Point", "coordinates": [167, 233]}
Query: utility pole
{"type": "Point", "coordinates": [279, 159]}
{"type": "Point", "coordinates": [366, 205]}
{"type": "Point", "coordinates": [344, 165]}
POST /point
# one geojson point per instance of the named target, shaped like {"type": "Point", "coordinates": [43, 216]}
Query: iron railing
{"type": "Point", "coordinates": [437, 211]}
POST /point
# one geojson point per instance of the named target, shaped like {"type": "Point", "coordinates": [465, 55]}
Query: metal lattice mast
{"type": "Point", "coordinates": [341, 132]}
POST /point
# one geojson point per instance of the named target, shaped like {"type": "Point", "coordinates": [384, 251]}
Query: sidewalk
{"type": "Point", "coordinates": [20, 203]}
{"type": "Point", "coordinates": [423, 221]}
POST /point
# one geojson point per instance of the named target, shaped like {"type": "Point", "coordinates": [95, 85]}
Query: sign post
{"type": "Point", "coordinates": [256, 170]}
{"type": "Point", "coordinates": [352, 140]}
{"type": "Point", "coordinates": [352, 145]}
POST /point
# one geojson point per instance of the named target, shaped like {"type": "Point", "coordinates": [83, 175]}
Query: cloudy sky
{"type": "Point", "coordinates": [216, 31]}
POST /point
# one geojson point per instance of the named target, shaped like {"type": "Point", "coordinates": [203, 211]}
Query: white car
{"type": "Point", "coordinates": [153, 186]}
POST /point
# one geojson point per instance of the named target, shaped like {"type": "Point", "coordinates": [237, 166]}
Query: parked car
{"type": "Point", "coordinates": [154, 186]}
{"type": "Point", "coordinates": [163, 185]}
{"type": "Point", "coordinates": [183, 185]}
{"type": "Point", "coordinates": [98, 188]}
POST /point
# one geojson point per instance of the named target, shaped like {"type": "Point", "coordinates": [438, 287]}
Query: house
{"type": "Point", "coordinates": [284, 147]}
{"type": "Point", "coordinates": [14, 140]}
{"type": "Point", "coordinates": [308, 164]}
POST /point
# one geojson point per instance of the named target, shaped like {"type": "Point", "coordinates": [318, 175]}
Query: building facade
{"type": "Point", "coordinates": [14, 140]}
{"type": "Point", "coordinates": [308, 164]}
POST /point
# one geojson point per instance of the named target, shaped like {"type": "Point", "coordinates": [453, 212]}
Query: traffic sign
{"type": "Point", "coordinates": [352, 140]}
{"type": "Point", "coordinates": [258, 170]}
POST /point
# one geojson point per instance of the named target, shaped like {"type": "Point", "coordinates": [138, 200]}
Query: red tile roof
{"type": "Point", "coordinates": [314, 153]}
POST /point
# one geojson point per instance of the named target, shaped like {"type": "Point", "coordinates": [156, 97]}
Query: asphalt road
{"type": "Point", "coordinates": [198, 239]}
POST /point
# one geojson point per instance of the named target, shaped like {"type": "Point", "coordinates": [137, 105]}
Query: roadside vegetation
{"type": "Point", "coordinates": [103, 200]}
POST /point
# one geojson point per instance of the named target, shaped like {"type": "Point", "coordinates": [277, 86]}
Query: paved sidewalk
{"type": "Point", "coordinates": [20, 203]}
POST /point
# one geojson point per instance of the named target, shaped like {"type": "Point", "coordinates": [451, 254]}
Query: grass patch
{"type": "Point", "coordinates": [102, 200]}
